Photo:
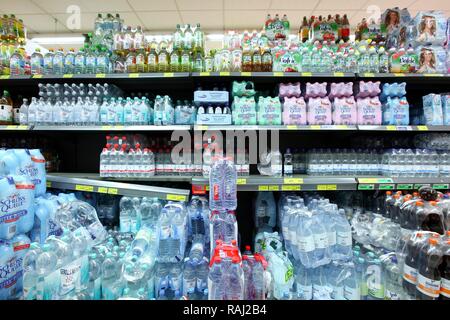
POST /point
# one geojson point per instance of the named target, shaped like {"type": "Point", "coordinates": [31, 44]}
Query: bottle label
{"type": "Point", "coordinates": [125, 224]}
{"type": "Point", "coordinates": [305, 244]}
{"type": "Point", "coordinates": [445, 287]}
{"type": "Point", "coordinates": [6, 113]}
{"type": "Point", "coordinates": [344, 238]}
{"type": "Point", "coordinates": [144, 234]}
{"type": "Point", "coordinates": [352, 293]}
{"type": "Point", "coordinates": [305, 291]}
{"type": "Point", "coordinates": [293, 235]}
{"type": "Point", "coordinates": [70, 276]}
{"type": "Point", "coordinates": [331, 238]}
{"type": "Point", "coordinates": [285, 232]}
{"type": "Point", "coordinates": [320, 240]}
{"type": "Point", "coordinates": [428, 286]}
{"type": "Point", "coordinates": [409, 274]}
{"type": "Point", "coordinates": [391, 295]}
{"type": "Point", "coordinates": [288, 169]}
{"type": "Point", "coordinates": [29, 293]}
{"type": "Point", "coordinates": [338, 293]}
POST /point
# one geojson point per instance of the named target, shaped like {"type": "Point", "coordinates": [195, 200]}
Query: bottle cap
{"type": "Point", "coordinates": [433, 241]}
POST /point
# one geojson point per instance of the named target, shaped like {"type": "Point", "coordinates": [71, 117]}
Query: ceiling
{"type": "Point", "coordinates": [50, 16]}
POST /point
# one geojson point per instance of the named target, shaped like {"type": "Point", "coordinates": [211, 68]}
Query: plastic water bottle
{"type": "Point", "coordinates": [45, 264]}
{"type": "Point", "coordinates": [37, 62]}
{"type": "Point", "coordinates": [126, 205]}
{"type": "Point", "coordinates": [288, 165]}
{"type": "Point", "coordinates": [80, 62]}
{"type": "Point", "coordinates": [58, 62]}
{"type": "Point", "coordinates": [30, 272]}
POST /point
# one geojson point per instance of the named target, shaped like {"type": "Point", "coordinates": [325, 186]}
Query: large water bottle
{"type": "Point", "coordinates": [110, 289]}
{"type": "Point", "coordinates": [343, 248]}
{"type": "Point", "coordinates": [303, 282]}
{"type": "Point", "coordinates": [58, 62]}
{"type": "Point", "coordinates": [216, 287]}
{"type": "Point", "coordinates": [45, 264]}
{"type": "Point", "coordinates": [30, 279]}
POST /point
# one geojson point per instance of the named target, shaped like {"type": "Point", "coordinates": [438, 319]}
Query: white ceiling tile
{"type": "Point", "coordinates": [200, 4]}
{"type": "Point", "coordinates": [332, 5]}
{"type": "Point", "coordinates": [253, 19]}
{"type": "Point", "coordinates": [20, 7]}
{"type": "Point", "coordinates": [145, 5]}
{"type": "Point", "coordinates": [247, 4]}
{"type": "Point", "coordinates": [43, 23]}
{"type": "Point", "coordinates": [160, 21]}
{"type": "Point", "coordinates": [86, 6]}
{"type": "Point", "coordinates": [443, 5]}
{"type": "Point", "coordinates": [293, 4]}
{"type": "Point", "coordinates": [211, 21]}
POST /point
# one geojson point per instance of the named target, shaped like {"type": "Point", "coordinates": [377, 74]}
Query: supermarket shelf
{"type": "Point", "coordinates": [115, 188]}
{"type": "Point", "coordinates": [275, 127]}
{"type": "Point", "coordinates": [112, 128]}
{"type": "Point", "coordinates": [274, 74]}
{"type": "Point", "coordinates": [96, 176]}
{"type": "Point", "coordinates": [414, 183]}
{"type": "Point", "coordinates": [113, 76]}
{"type": "Point", "coordinates": [15, 128]}
{"type": "Point", "coordinates": [296, 183]}
{"type": "Point", "coordinates": [403, 128]}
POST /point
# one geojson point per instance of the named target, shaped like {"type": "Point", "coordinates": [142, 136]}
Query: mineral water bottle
{"type": "Point", "coordinates": [23, 112]}
{"type": "Point", "coordinates": [230, 185]}
{"type": "Point", "coordinates": [29, 272]}
{"type": "Point", "coordinates": [45, 264]}
{"type": "Point", "coordinates": [80, 62]}
{"type": "Point", "coordinates": [37, 62]}
{"type": "Point", "coordinates": [288, 167]}
{"type": "Point", "coordinates": [91, 59]}
{"type": "Point", "coordinates": [69, 62]}
{"type": "Point", "coordinates": [17, 63]}
{"type": "Point", "coordinates": [58, 62]}
{"type": "Point", "coordinates": [48, 62]}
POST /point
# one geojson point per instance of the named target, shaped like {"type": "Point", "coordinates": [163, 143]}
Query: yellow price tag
{"type": "Point", "coordinates": [274, 188]}
{"type": "Point", "coordinates": [168, 74]}
{"type": "Point", "coordinates": [68, 75]}
{"type": "Point", "coordinates": [315, 127]}
{"type": "Point", "coordinates": [102, 190]}
{"type": "Point", "coordinates": [338, 74]}
{"type": "Point", "coordinates": [306, 74]}
{"type": "Point", "coordinates": [293, 181]}
{"type": "Point", "coordinates": [37, 76]}
{"type": "Point", "coordinates": [342, 126]}
{"type": "Point", "coordinates": [106, 127]}
{"type": "Point", "coordinates": [368, 180]}
{"type": "Point", "coordinates": [202, 127]}
{"type": "Point", "coordinates": [22, 127]}
{"type": "Point", "coordinates": [11, 127]}
{"type": "Point", "coordinates": [174, 197]}
{"type": "Point", "coordinates": [433, 75]}
{"type": "Point", "coordinates": [118, 127]}
{"type": "Point", "coordinates": [80, 187]}
{"type": "Point", "coordinates": [399, 74]}
{"type": "Point", "coordinates": [224, 73]}
{"type": "Point", "coordinates": [113, 191]}
{"type": "Point", "coordinates": [278, 74]}
{"type": "Point", "coordinates": [246, 74]}
{"type": "Point", "coordinates": [326, 187]}
{"type": "Point", "coordinates": [422, 128]}
{"type": "Point", "coordinates": [263, 188]}
{"type": "Point", "coordinates": [241, 181]}
{"type": "Point", "coordinates": [49, 184]}
{"type": "Point", "coordinates": [4, 77]}
{"type": "Point", "coordinates": [207, 188]}
{"type": "Point", "coordinates": [391, 128]}
{"type": "Point", "coordinates": [369, 75]}
{"type": "Point", "coordinates": [291, 127]}
{"type": "Point", "coordinates": [133, 75]}
{"type": "Point", "coordinates": [100, 75]}
{"type": "Point", "coordinates": [205, 74]}
{"type": "Point", "coordinates": [290, 188]}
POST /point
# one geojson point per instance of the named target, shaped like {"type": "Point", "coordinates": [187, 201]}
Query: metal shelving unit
{"type": "Point", "coordinates": [115, 188]}
{"type": "Point", "coordinates": [112, 128]}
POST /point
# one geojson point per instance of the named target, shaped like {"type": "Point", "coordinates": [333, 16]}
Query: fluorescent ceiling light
{"type": "Point", "coordinates": [58, 40]}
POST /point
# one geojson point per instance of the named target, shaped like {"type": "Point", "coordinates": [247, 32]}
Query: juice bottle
{"type": "Point", "coordinates": [266, 61]}
{"type": "Point", "coordinates": [304, 31]}
{"type": "Point", "coordinates": [198, 60]}
{"type": "Point", "coordinates": [140, 60]}
{"type": "Point", "coordinates": [163, 59]}
{"type": "Point", "coordinates": [175, 60]}
{"type": "Point", "coordinates": [6, 109]}
{"type": "Point", "coordinates": [345, 29]}
{"type": "Point", "coordinates": [185, 61]}
{"type": "Point", "coordinates": [131, 61]}
{"type": "Point", "coordinates": [256, 60]}
{"type": "Point", "coordinates": [247, 60]}
{"type": "Point", "coordinates": [152, 59]}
